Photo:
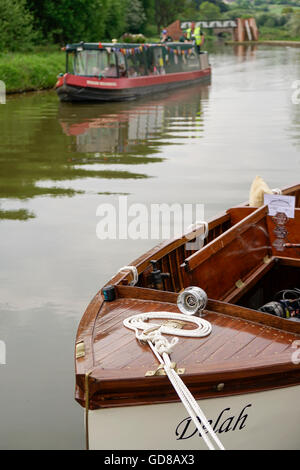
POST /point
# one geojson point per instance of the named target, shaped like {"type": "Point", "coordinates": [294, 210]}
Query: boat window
{"type": "Point", "coordinates": [155, 61]}
{"type": "Point", "coordinates": [183, 61]}
{"type": "Point", "coordinates": [95, 63]}
{"type": "Point", "coordinates": [159, 60]}
{"type": "Point", "coordinates": [70, 62]}
{"type": "Point", "coordinates": [136, 65]}
{"type": "Point", "coordinates": [172, 64]}
{"type": "Point", "coordinates": [110, 69]}
{"type": "Point", "coordinates": [121, 64]}
{"type": "Point", "coordinates": [193, 59]}
{"type": "Point", "coordinates": [189, 59]}
{"type": "Point", "coordinates": [79, 68]}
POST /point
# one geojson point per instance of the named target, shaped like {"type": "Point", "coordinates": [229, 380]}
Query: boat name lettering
{"type": "Point", "coordinates": [93, 82]}
{"type": "Point", "coordinates": [223, 423]}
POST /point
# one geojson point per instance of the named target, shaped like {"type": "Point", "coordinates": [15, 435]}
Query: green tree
{"type": "Point", "coordinates": [115, 22]}
{"type": "Point", "coordinates": [149, 9]}
{"type": "Point", "coordinates": [245, 4]}
{"type": "Point", "coordinates": [209, 11]}
{"type": "Point", "coordinates": [70, 20]}
{"type": "Point", "coordinates": [166, 11]}
{"type": "Point", "coordinates": [294, 24]}
{"type": "Point", "coordinates": [135, 16]}
{"type": "Point", "coordinates": [16, 26]}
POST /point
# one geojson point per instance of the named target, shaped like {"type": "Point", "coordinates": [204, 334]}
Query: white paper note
{"type": "Point", "coordinates": [279, 203]}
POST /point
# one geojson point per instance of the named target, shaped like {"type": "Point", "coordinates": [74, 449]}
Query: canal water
{"type": "Point", "coordinates": [59, 162]}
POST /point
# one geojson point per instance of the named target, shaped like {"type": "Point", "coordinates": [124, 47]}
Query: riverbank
{"type": "Point", "coordinates": [31, 71]}
{"type": "Point", "coordinates": [38, 70]}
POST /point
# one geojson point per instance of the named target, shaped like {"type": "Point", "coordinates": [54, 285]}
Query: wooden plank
{"type": "Point", "coordinates": [163, 249]}
{"type": "Point", "coordinates": [249, 282]}
{"type": "Point", "coordinates": [219, 274]}
{"type": "Point", "coordinates": [239, 213]}
{"type": "Point", "coordinates": [254, 315]}
{"type": "Point", "coordinates": [214, 306]}
{"type": "Point", "coordinates": [223, 240]}
{"type": "Point", "coordinates": [286, 261]}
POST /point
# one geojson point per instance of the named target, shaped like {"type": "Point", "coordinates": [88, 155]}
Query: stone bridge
{"type": "Point", "coordinates": [241, 29]}
{"type": "Point", "coordinates": [224, 24]}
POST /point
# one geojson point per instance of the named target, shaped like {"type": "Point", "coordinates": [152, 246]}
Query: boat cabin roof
{"type": "Point", "coordinates": [102, 45]}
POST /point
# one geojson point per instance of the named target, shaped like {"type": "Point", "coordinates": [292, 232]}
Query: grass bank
{"type": "Point", "coordinates": [276, 34]}
{"type": "Point", "coordinates": [31, 71]}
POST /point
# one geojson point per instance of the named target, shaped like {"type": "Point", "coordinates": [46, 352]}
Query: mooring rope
{"type": "Point", "coordinates": [134, 273]}
{"type": "Point", "coordinates": [162, 348]}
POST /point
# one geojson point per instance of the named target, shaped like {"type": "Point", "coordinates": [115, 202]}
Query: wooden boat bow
{"type": "Point", "coordinates": [247, 350]}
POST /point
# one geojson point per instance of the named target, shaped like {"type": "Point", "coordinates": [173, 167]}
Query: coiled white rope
{"type": "Point", "coordinates": [139, 322]}
{"type": "Point", "coordinates": [134, 273]}
{"type": "Point", "coordinates": [162, 348]}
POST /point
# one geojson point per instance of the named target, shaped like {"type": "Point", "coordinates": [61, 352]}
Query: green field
{"type": "Point", "coordinates": [277, 9]}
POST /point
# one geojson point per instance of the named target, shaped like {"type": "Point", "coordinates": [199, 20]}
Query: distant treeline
{"type": "Point", "coordinates": [26, 24]}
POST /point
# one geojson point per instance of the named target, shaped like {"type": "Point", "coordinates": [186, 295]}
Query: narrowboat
{"type": "Point", "coordinates": [199, 349]}
{"type": "Point", "coordinates": [116, 72]}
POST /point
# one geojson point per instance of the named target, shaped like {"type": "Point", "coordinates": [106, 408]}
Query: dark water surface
{"type": "Point", "coordinates": [58, 162]}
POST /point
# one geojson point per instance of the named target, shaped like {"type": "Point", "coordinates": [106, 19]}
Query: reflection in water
{"type": "Point", "coordinates": [245, 52]}
{"type": "Point", "coordinates": [42, 158]}
{"type": "Point", "coordinates": [135, 129]}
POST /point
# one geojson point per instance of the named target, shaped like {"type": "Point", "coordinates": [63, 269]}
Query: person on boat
{"type": "Point", "coordinates": [132, 72]}
{"type": "Point", "coordinates": [110, 71]}
{"type": "Point", "coordinates": [153, 70]}
{"type": "Point", "coordinates": [164, 35]}
{"type": "Point", "coordinates": [183, 37]}
{"type": "Point", "coordinates": [122, 70]}
{"type": "Point", "coordinates": [198, 38]}
{"type": "Point", "coordinates": [190, 32]}
{"type": "Point", "coordinates": [96, 72]}
{"type": "Point", "coordinates": [142, 70]}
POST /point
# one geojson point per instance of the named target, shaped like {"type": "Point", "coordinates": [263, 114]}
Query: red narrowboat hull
{"type": "Point", "coordinates": [79, 88]}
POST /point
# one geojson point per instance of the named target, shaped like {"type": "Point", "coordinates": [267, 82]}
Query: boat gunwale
{"type": "Point", "coordinates": [160, 249]}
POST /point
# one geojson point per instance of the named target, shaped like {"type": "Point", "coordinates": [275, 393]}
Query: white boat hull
{"type": "Point", "coordinates": [264, 420]}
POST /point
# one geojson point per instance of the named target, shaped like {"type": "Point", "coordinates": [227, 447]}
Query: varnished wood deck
{"type": "Point", "coordinates": [244, 354]}
{"type": "Point", "coordinates": [231, 340]}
